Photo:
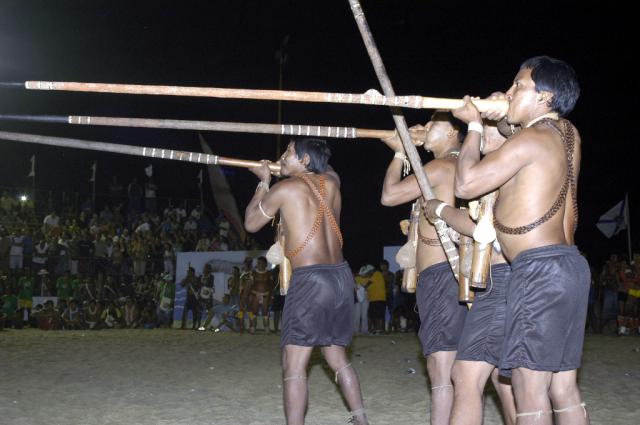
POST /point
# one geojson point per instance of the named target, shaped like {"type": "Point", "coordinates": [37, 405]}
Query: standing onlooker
{"type": "Point", "coordinates": [389, 278]}
{"type": "Point", "coordinates": [205, 296]}
{"type": "Point", "coordinates": [191, 285]}
{"type": "Point", "coordinates": [134, 193]}
{"type": "Point", "coordinates": [150, 189]}
{"type": "Point", "coordinates": [361, 307]}
{"type": "Point", "coordinates": [40, 254]}
{"type": "Point", "coordinates": [25, 294]}
{"type": "Point", "coordinates": [165, 296]}
{"type": "Point", "coordinates": [16, 251]}
{"type": "Point", "coordinates": [376, 293]}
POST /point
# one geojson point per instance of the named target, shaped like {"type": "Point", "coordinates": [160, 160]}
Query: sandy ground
{"type": "Point", "coordinates": [182, 377]}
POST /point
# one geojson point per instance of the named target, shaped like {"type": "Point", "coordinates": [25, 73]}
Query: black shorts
{"type": "Point", "coordinates": [623, 296]}
{"type": "Point", "coordinates": [278, 301]}
{"type": "Point", "coordinates": [547, 300]}
{"type": "Point", "coordinates": [483, 331]}
{"type": "Point", "coordinates": [206, 303]}
{"type": "Point", "coordinates": [319, 307]}
{"type": "Point", "coordinates": [377, 309]}
{"type": "Point", "coordinates": [441, 315]}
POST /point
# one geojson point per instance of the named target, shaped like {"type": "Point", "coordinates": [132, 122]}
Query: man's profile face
{"type": "Point", "coordinates": [437, 131]}
{"type": "Point", "coordinates": [290, 162]}
{"type": "Point", "coordinates": [522, 97]}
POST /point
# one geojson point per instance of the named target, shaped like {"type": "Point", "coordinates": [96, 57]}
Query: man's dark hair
{"type": "Point", "coordinates": [443, 115]}
{"type": "Point", "coordinates": [555, 76]}
{"type": "Point", "coordinates": [318, 151]}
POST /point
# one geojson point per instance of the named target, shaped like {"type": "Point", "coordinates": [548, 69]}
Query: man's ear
{"type": "Point", "coordinates": [306, 160]}
{"type": "Point", "coordinates": [546, 97]}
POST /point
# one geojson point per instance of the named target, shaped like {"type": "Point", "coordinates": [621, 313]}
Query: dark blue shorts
{"type": "Point", "coordinates": [546, 310]}
{"type": "Point", "coordinates": [319, 307]}
{"type": "Point", "coordinates": [441, 315]}
{"type": "Point", "coordinates": [483, 332]}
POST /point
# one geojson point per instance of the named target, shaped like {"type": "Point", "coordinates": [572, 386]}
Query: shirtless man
{"type": "Point", "coordinates": [536, 171]}
{"type": "Point", "coordinates": [260, 296]}
{"type": "Point", "coordinates": [319, 306]}
{"type": "Point", "coordinates": [442, 316]}
{"type": "Point", "coordinates": [481, 341]}
{"type": "Point", "coordinates": [244, 290]}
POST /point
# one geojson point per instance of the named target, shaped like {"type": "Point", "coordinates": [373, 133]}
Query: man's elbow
{"type": "Point", "coordinates": [387, 199]}
{"type": "Point", "coordinates": [463, 191]}
{"type": "Point", "coordinates": [250, 225]}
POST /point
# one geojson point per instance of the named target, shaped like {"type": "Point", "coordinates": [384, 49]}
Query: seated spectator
{"type": "Point", "coordinates": [203, 243]}
{"type": "Point", "coordinates": [131, 314]}
{"type": "Point", "coordinates": [50, 222]}
{"type": "Point", "coordinates": [148, 317]}
{"type": "Point", "coordinates": [227, 316]}
{"type": "Point", "coordinates": [93, 315]}
{"type": "Point", "coordinates": [191, 225]}
{"type": "Point", "coordinates": [48, 318]}
{"type": "Point", "coordinates": [72, 316]}
{"type": "Point", "coordinates": [46, 285]}
{"type": "Point", "coordinates": [10, 309]}
{"type": "Point", "coordinates": [111, 316]}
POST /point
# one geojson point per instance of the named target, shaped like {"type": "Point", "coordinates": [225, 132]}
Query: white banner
{"type": "Point", "coordinates": [221, 263]}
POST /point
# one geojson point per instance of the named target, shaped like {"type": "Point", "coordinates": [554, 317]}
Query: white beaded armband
{"type": "Point", "coordinates": [439, 209]}
{"type": "Point", "coordinates": [270, 217]}
{"type": "Point", "coordinates": [263, 185]}
{"type": "Point", "coordinates": [406, 165]}
{"type": "Point", "coordinates": [475, 126]}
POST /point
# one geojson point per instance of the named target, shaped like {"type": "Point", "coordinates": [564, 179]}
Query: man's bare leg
{"type": "Point", "coordinates": [505, 393]}
{"type": "Point", "coordinates": [469, 379]}
{"type": "Point", "coordinates": [567, 402]}
{"type": "Point", "coordinates": [295, 359]}
{"type": "Point", "coordinates": [439, 367]}
{"type": "Point", "coordinates": [346, 377]}
{"type": "Point", "coordinates": [531, 390]}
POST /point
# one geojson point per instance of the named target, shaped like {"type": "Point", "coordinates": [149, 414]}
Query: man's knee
{"type": "Point", "coordinates": [468, 377]}
{"type": "Point", "coordinates": [439, 366]}
{"type": "Point", "coordinates": [563, 392]}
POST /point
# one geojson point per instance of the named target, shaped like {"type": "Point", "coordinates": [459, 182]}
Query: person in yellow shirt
{"type": "Point", "coordinates": [377, 295]}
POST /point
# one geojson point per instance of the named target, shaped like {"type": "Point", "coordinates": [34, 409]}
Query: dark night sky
{"type": "Point", "coordinates": [444, 49]}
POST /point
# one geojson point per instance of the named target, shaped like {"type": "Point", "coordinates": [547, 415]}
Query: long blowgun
{"type": "Point", "coordinates": [371, 97]}
{"type": "Point", "coordinates": [196, 157]}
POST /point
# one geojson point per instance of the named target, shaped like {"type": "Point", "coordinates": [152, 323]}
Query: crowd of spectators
{"type": "Point", "coordinates": [107, 268]}
{"type": "Point", "coordinates": [615, 296]}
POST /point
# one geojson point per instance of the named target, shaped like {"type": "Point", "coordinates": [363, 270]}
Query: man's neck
{"type": "Point", "coordinates": [302, 173]}
{"type": "Point", "coordinates": [446, 151]}
{"type": "Point", "coordinates": [539, 117]}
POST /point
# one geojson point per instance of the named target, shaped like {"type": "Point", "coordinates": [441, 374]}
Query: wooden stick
{"type": "Point", "coordinates": [283, 129]}
{"type": "Point", "coordinates": [371, 97]}
{"type": "Point", "coordinates": [427, 192]}
{"type": "Point", "coordinates": [196, 157]}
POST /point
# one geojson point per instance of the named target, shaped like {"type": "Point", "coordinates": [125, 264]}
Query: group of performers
{"type": "Point", "coordinates": [526, 329]}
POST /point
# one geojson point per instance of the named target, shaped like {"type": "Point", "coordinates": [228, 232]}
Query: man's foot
{"type": "Point", "coordinates": [252, 330]}
{"type": "Point", "coordinates": [201, 328]}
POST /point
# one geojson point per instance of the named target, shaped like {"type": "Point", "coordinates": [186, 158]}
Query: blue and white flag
{"type": "Point", "coordinates": [614, 220]}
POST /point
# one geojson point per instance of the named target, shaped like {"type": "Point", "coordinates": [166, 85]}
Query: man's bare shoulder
{"type": "Point", "coordinates": [532, 138]}
{"type": "Point", "coordinates": [287, 185]}
{"type": "Point", "coordinates": [440, 165]}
